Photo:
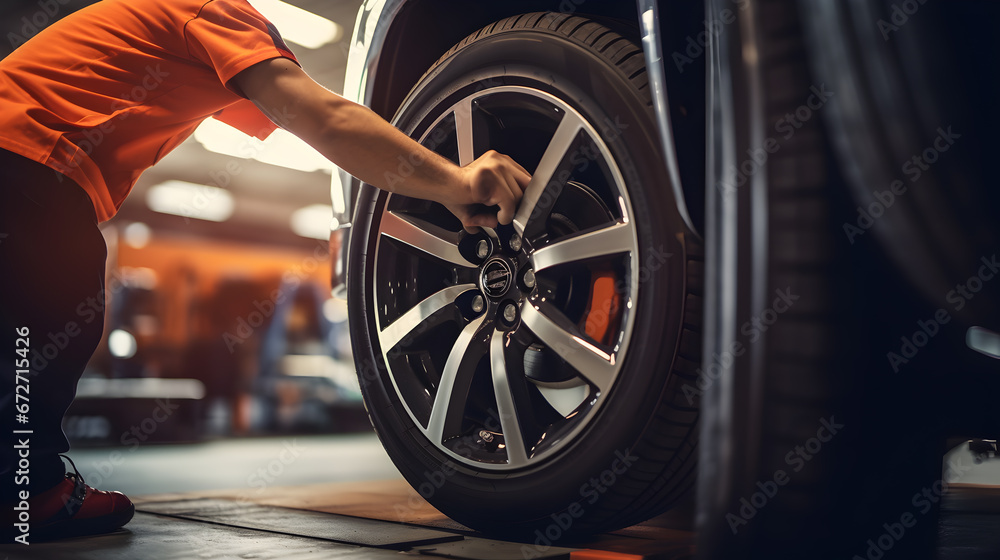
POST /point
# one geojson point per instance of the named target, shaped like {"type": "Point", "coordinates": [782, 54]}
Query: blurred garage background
{"type": "Point", "coordinates": [220, 321]}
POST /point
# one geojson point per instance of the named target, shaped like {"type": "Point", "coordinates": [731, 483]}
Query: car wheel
{"type": "Point", "coordinates": [812, 447]}
{"type": "Point", "coordinates": [528, 381]}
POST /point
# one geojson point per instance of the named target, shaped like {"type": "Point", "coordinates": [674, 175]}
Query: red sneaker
{"type": "Point", "coordinates": [73, 509]}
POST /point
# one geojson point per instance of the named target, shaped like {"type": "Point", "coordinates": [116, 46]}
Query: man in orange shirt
{"type": "Point", "coordinates": [85, 107]}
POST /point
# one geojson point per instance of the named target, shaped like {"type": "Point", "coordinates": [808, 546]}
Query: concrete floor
{"type": "Point", "coordinates": [377, 519]}
{"type": "Point", "coordinates": [296, 497]}
{"type": "Point", "coordinates": [155, 537]}
{"type": "Point", "coordinates": [338, 497]}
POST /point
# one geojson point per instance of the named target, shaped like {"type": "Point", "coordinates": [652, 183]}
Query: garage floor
{"type": "Point", "coordinates": [355, 518]}
{"type": "Point", "coordinates": [358, 520]}
{"type": "Point", "coordinates": [385, 519]}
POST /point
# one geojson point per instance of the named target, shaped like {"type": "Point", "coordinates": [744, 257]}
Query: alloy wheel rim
{"type": "Point", "coordinates": [470, 343]}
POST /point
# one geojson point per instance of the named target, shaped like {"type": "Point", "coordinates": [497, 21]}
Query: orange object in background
{"type": "Point", "coordinates": [199, 309]}
{"type": "Point", "coordinates": [190, 272]}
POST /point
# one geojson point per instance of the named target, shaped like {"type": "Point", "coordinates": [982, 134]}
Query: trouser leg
{"type": "Point", "coordinates": [52, 261]}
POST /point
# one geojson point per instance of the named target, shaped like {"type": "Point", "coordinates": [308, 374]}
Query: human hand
{"type": "Point", "coordinates": [488, 192]}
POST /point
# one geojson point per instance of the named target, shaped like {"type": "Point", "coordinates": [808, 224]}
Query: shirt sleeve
{"type": "Point", "coordinates": [247, 118]}
{"type": "Point", "coordinates": [230, 36]}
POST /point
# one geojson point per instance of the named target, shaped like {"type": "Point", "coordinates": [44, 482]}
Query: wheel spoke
{"type": "Point", "coordinates": [427, 237]}
{"type": "Point", "coordinates": [463, 132]}
{"type": "Point", "coordinates": [413, 319]}
{"type": "Point", "coordinates": [516, 452]}
{"type": "Point", "coordinates": [457, 363]}
{"type": "Point", "coordinates": [440, 380]}
{"type": "Point", "coordinates": [562, 337]}
{"type": "Point", "coordinates": [560, 144]}
{"type": "Point", "coordinates": [598, 243]}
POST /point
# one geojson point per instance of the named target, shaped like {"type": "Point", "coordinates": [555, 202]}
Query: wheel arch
{"type": "Point", "coordinates": [409, 49]}
{"type": "Point", "coordinates": [391, 49]}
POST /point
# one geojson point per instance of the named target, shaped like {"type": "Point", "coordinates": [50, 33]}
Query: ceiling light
{"type": "Point", "coordinates": [122, 344]}
{"type": "Point", "coordinates": [191, 201]}
{"type": "Point", "coordinates": [313, 221]}
{"type": "Point", "coordinates": [137, 235]}
{"type": "Point", "coordinates": [299, 26]}
{"type": "Point", "coordinates": [282, 148]}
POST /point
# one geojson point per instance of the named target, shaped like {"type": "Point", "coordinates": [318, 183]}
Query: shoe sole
{"type": "Point", "coordinates": [83, 527]}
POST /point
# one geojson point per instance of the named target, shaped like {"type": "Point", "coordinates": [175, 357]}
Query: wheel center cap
{"type": "Point", "coordinates": [496, 277]}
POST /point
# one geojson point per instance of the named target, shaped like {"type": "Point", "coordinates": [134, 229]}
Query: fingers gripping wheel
{"type": "Point", "coordinates": [507, 368]}
{"type": "Point", "coordinates": [494, 183]}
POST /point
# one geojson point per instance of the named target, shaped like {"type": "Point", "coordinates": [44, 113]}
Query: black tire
{"type": "Point", "coordinates": [645, 416]}
{"type": "Point", "coordinates": [817, 379]}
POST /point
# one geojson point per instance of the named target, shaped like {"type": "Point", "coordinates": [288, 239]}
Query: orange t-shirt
{"type": "Point", "coordinates": [104, 93]}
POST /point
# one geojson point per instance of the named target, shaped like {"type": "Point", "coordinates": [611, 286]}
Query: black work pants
{"type": "Point", "coordinates": [52, 261]}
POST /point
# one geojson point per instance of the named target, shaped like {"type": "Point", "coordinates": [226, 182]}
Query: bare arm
{"type": "Point", "coordinates": [366, 146]}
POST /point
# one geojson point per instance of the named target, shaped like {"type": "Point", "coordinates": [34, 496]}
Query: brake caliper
{"type": "Point", "coordinates": [601, 318]}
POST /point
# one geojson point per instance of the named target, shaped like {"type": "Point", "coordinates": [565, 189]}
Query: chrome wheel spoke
{"type": "Point", "coordinates": [529, 210]}
{"type": "Point", "coordinates": [411, 322]}
{"type": "Point", "coordinates": [458, 363]}
{"type": "Point", "coordinates": [611, 240]}
{"type": "Point", "coordinates": [426, 237]}
{"type": "Point", "coordinates": [563, 338]}
{"type": "Point", "coordinates": [506, 406]}
{"type": "Point", "coordinates": [463, 132]}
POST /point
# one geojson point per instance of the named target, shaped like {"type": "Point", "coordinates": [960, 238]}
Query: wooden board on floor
{"type": "Point", "coordinates": [668, 537]}
{"type": "Point", "coordinates": [303, 523]}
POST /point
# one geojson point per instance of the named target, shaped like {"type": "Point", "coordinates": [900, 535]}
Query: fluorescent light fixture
{"type": "Point", "coordinates": [314, 222]}
{"type": "Point", "coordinates": [299, 26]}
{"type": "Point", "coordinates": [282, 148]}
{"type": "Point", "coordinates": [191, 201]}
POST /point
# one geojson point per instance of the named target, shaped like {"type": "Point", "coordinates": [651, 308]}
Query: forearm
{"type": "Point", "coordinates": [363, 144]}
{"type": "Point", "coordinates": [481, 194]}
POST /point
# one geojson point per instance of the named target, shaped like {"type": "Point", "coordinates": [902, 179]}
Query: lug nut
{"type": "Point", "coordinates": [515, 242]}
{"type": "Point", "coordinates": [529, 278]}
{"type": "Point", "coordinates": [510, 312]}
{"type": "Point", "coordinates": [482, 249]}
{"type": "Point", "coordinates": [478, 303]}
